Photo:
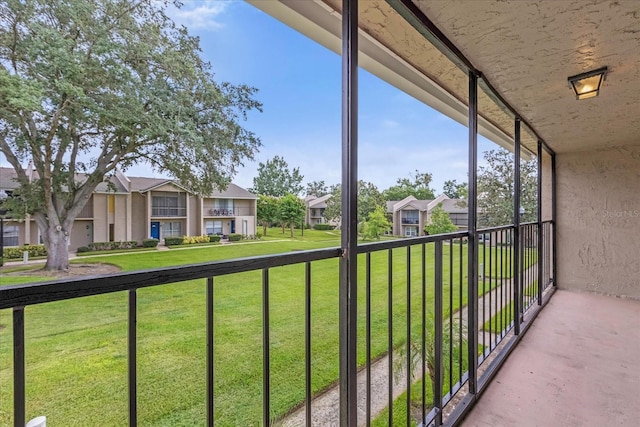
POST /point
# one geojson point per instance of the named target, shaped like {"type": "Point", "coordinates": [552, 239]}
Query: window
{"type": "Point", "coordinates": [10, 235]}
{"type": "Point", "coordinates": [171, 229]}
{"type": "Point", "coordinates": [410, 217]}
{"type": "Point", "coordinates": [213, 227]}
{"type": "Point", "coordinates": [223, 203]}
{"type": "Point", "coordinates": [411, 231]}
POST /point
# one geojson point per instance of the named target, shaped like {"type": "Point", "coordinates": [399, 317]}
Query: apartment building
{"type": "Point", "coordinates": [409, 216]}
{"type": "Point", "coordinates": [135, 208]}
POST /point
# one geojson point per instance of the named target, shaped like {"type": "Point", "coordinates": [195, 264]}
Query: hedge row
{"type": "Point", "coordinates": [17, 252]}
{"type": "Point", "coordinates": [323, 227]}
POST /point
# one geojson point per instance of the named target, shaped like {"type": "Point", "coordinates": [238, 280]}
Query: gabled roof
{"type": "Point", "coordinates": [454, 206]}
{"type": "Point", "coordinates": [144, 184]}
{"type": "Point", "coordinates": [233, 192]}
{"type": "Point", "coordinates": [432, 204]}
{"type": "Point", "coordinates": [9, 181]}
{"type": "Point", "coordinates": [407, 202]}
{"type": "Point", "coordinates": [319, 202]}
{"type": "Point", "coordinates": [449, 205]}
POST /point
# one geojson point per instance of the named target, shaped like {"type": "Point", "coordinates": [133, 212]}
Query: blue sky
{"type": "Point", "coordinates": [299, 85]}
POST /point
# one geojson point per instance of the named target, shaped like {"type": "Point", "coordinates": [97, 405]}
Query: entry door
{"type": "Point", "coordinates": [155, 230]}
{"type": "Point", "coordinates": [233, 226]}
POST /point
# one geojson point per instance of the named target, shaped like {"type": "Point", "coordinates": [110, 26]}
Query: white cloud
{"type": "Point", "coordinates": [201, 15]}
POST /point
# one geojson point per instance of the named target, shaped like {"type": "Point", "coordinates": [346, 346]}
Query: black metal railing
{"type": "Point", "coordinates": [228, 212]}
{"type": "Point", "coordinates": [424, 303]}
{"type": "Point", "coordinates": [410, 221]}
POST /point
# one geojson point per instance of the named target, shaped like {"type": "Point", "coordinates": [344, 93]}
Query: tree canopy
{"type": "Point", "coordinates": [440, 222]}
{"type": "Point", "coordinates": [291, 211]}
{"type": "Point", "coordinates": [267, 211]}
{"type": "Point", "coordinates": [275, 179]}
{"type": "Point", "coordinates": [455, 190]}
{"type": "Point", "coordinates": [417, 185]}
{"type": "Point", "coordinates": [376, 224]}
{"type": "Point", "coordinates": [90, 85]}
{"type": "Point", "coordinates": [316, 188]}
{"type": "Point", "coordinates": [495, 189]}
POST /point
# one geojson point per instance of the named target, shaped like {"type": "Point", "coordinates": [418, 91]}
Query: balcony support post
{"type": "Point", "coordinates": [540, 231]}
{"type": "Point", "coordinates": [554, 211]}
{"type": "Point", "coordinates": [472, 245]}
{"type": "Point", "coordinates": [438, 325]}
{"type": "Point", "coordinates": [348, 262]}
{"type": "Point", "coordinates": [517, 302]}
{"type": "Point", "coordinates": [132, 357]}
{"type": "Point", "coordinates": [18, 367]}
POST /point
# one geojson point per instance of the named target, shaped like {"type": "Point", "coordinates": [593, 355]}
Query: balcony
{"type": "Point", "coordinates": [410, 221]}
{"type": "Point", "coordinates": [228, 212]}
{"type": "Point", "coordinates": [423, 276]}
{"type": "Point", "coordinates": [576, 366]}
{"type": "Point", "coordinates": [167, 212]}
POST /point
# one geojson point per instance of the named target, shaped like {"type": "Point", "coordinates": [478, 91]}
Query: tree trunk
{"type": "Point", "coordinates": [56, 242]}
{"type": "Point", "coordinates": [264, 228]}
{"type": "Point", "coordinates": [291, 229]}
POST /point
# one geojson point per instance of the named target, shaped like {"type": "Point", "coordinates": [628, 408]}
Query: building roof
{"type": "Point", "coordinates": [234, 191]}
{"type": "Point", "coordinates": [8, 181]}
{"type": "Point", "coordinates": [318, 202]}
{"type": "Point", "coordinates": [449, 205]}
{"type": "Point", "coordinates": [143, 183]}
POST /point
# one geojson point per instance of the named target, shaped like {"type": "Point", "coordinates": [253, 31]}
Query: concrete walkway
{"type": "Point", "coordinates": [576, 366]}
{"type": "Point", "coordinates": [324, 408]}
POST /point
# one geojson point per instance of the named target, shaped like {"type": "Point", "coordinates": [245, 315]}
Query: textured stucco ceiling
{"type": "Point", "coordinates": [527, 49]}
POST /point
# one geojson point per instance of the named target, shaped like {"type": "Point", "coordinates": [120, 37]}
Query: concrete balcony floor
{"type": "Point", "coordinates": [578, 365]}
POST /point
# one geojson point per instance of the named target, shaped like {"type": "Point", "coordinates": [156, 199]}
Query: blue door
{"type": "Point", "coordinates": [155, 230]}
{"type": "Point", "coordinates": [233, 226]}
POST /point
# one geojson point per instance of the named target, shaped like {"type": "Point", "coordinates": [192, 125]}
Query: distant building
{"type": "Point", "coordinates": [315, 209]}
{"type": "Point", "coordinates": [136, 208]}
{"type": "Point", "coordinates": [410, 215]}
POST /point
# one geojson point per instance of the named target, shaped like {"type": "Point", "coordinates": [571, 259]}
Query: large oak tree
{"type": "Point", "coordinates": [90, 85]}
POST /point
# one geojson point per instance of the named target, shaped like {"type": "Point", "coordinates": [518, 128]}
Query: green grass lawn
{"type": "Point", "coordinates": [76, 350]}
{"type": "Point", "coordinates": [503, 318]}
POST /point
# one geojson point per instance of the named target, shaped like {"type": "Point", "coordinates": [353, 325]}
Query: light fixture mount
{"type": "Point", "coordinates": [587, 85]}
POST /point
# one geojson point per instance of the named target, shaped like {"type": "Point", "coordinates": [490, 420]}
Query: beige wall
{"type": "Point", "coordinates": [599, 221]}
{"type": "Point", "coordinates": [82, 234]}
{"type": "Point", "coordinates": [100, 226]}
{"type": "Point", "coordinates": [194, 226]}
{"type": "Point", "coordinates": [139, 217]}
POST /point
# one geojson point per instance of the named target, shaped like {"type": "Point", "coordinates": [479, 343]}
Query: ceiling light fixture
{"type": "Point", "coordinates": [587, 85]}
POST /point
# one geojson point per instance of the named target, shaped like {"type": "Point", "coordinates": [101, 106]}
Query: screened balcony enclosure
{"type": "Point", "coordinates": [501, 325]}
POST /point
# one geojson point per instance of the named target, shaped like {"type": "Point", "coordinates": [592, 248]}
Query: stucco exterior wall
{"type": "Point", "coordinates": [193, 216]}
{"type": "Point", "coordinates": [139, 217]}
{"type": "Point", "coordinates": [81, 234]}
{"type": "Point", "coordinates": [100, 225]}
{"type": "Point", "coordinates": [599, 221]}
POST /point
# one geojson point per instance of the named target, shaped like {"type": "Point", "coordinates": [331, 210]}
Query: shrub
{"type": "Point", "coordinates": [150, 243]}
{"type": "Point", "coordinates": [214, 238]}
{"type": "Point", "coordinates": [189, 240]}
{"type": "Point", "coordinates": [258, 235]}
{"type": "Point", "coordinates": [110, 246]}
{"type": "Point", "coordinates": [173, 241]}
{"type": "Point", "coordinates": [82, 249]}
{"type": "Point", "coordinates": [323, 227]}
{"type": "Point", "coordinates": [16, 252]}
{"type": "Point", "coordinates": [235, 237]}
